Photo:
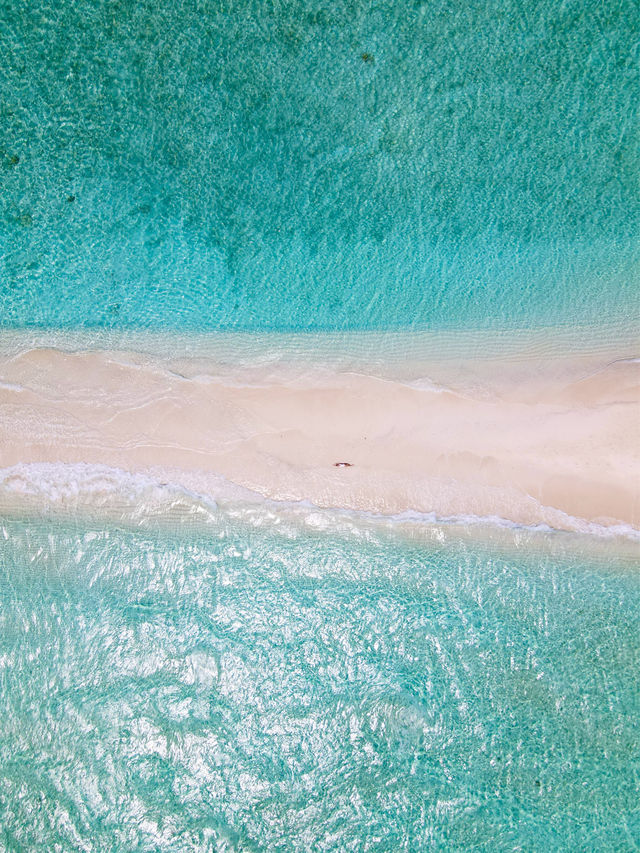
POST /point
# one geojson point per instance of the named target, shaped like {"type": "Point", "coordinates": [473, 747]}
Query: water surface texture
{"type": "Point", "coordinates": [253, 689]}
{"type": "Point", "coordinates": [262, 165]}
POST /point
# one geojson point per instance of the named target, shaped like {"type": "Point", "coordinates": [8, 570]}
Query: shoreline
{"type": "Point", "coordinates": [367, 346]}
{"type": "Point", "coordinates": [531, 437]}
{"type": "Point", "coordinates": [151, 503]}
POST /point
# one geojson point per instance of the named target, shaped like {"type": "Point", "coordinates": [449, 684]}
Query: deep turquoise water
{"type": "Point", "coordinates": [252, 688]}
{"type": "Point", "coordinates": [259, 165]}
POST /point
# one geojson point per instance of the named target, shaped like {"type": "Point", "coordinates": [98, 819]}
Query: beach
{"type": "Point", "coordinates": [529, 435]}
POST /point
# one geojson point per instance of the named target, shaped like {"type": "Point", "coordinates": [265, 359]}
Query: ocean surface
{"type": "Point", "coordinates": [313, 683]}
{"type": "Point", "coordinates": [199, 165]}
{"type": "Point", "coordinates": [268, 681]}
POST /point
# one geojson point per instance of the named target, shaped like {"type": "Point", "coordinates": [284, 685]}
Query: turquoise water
{"type": "Point", "coordinates": [270, 688]}
{"type": "Point", "coordinates": [260, 165]}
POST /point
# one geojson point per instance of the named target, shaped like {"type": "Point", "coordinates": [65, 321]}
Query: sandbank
{"type": "Point", "coordinates": [525, 431]}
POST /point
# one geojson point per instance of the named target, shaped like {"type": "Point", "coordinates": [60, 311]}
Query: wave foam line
{"type": "Point", "coordinates": [82, 487]}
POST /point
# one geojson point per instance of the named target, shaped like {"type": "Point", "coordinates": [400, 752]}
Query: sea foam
{"type": "Point", "coordinates": [80, 490]}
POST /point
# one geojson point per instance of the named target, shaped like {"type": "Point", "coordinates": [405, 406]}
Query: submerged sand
{"type": "Point", "coordinates": [529, 435]}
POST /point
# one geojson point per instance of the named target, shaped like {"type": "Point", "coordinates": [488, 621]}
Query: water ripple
{"type": "Point", "coordinates": [249, 691]}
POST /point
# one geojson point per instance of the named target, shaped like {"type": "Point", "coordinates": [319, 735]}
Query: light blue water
{"type": "Point", "coordinates": [249, 689]}
{"type": "Point", "coordinates": [257, 165]}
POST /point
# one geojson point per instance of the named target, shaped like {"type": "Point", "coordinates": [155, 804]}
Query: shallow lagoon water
{"type": "Point", "coordinates": [259, 686]}
{"type": "Point", "coordinates": [255, 165]}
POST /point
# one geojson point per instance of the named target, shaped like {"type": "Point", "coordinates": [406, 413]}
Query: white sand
{"type": "Point", "coordinates": [524, 436]}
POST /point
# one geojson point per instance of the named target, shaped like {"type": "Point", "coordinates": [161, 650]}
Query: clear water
{"type": "Point", "coordinates": [270, 688]}
{"type": "Point", "coordinates": [261, 165]}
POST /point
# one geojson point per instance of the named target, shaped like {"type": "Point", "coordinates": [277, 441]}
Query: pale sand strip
{"type": "Point", "coordinates": [531, 439]}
